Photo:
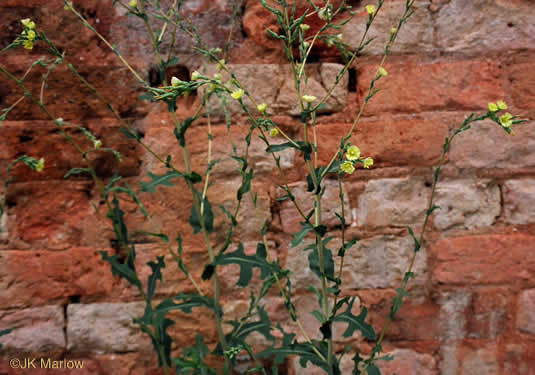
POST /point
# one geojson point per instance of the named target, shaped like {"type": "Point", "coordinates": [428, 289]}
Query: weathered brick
{"type": "Point", "coordinates": [381, 262]}
{"type": "Point", "coordinates": [389, 140]}
{"type": "Point", "coordinates": [41, 139]}
{"type": "Point", "coordinates": [484, 259]}
{"type": "Point", "coordinates": [520, 356]}
{"type": "Point", "coordinates": [522, 85]}
{"type": "Point", "coordinates": [518, 197]}
{"type": "Point", "coordinates": [479, 26]}
{"type": "Point", "coordinates": [453, 306]}
{"type": "Point", "coordinates": [330, 205]}
{"type": "Point", "coordinates": [38, 277]}
{"type": "Point", "coordinates": [66, 96]}
{"type": "Point", "coordinates": [416, 36]}
{"type": "Point", "coordinates": [35, 330]}
{"type": "Point", "coordinates": [396, 202]}
{"type": "Point", "coordinates": [466, 204]}
{"type": "Point", "coordinates": [105, 327]}
{"type": "Point", "coordinates": [494, 148]}
{"type": "Point", "coordinates": [458, 85]}
{"type": "Point", "coordinates": [479, 359]}
{"type": "Point", "coordinates": [525, 319]}
{"type": "Point", "coordinates": [408, 362]}
{"type": "Point", "coordinates": [280, 95]}
{"type": "Point", "coordinates": [487, 314]}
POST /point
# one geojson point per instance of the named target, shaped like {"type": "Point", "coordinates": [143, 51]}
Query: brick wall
{"type": "Point", "coordinates": [472, 305]}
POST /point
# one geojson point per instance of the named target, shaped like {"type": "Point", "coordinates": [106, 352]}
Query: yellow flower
{"type": "Point", "coordinates": [394, 30]}
{"type": "Point", "coordinates": [309, 98]}
{"type": "Point", "coordinates": [195, 75]}
{"type": "Point", "coordinates": [353, 153]}
{"type": "Point", "coordinates": [501, 104]}
{"type": "Point", "coordinates": [97, 144]}
{"type": "Point", "coordinates": [28, 23]}
{"type": "Point", "coordinates": [68, 5]}
{"type": "Point", "coordinates": [506, 120]}
{"type": "Point", "coordinates": [324, 13]}
{"type": "Point", "coordinates": [40, 165]}
{"type": "Point", "coordinates": [304, 27]}
{"type": "Point", "coordinates": [237, 94]}
{"type": "Point", "coordinates": [306, 45]}
{"type": "Point", "coordinates": [274, 132]}
{"type": "Point", "coordinates": [339, 36]}
{"type": "Point", "coordinates": [382, 72]}
{"type": "Point", "coordinates": [367, 163]}
{"type": "Point", "coordinates": [221, 64]}
{"type": "Point", "coordinates": [28, 44]}
{"type": "Point", "coordinates": [493, 107]}
{"type": "Point", "coordinates": [31, 35]}
{"type": "Point", "coordinates": [175, 82]}
{"type": "Point", "coordinates": [133, 3]}
{"type": "Point", "coordinates": [262, 107]}
{"type": "Point", "coordinates": [370, 9]}
{"type": "Point", "coordinates": [347, 167]}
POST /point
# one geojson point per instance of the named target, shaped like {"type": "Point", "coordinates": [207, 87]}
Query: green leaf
{"type": "Point", "coordinates": [433, 208]}
{"type": "Point", "coordinates": [208, 217]}
{"type": "Point", "coordinates": [123, 270]}
{"type": "Point", "coordinates": [355, 322]}
{"type": "Point", "coordinates": [416, 242]}
{"type": "Point", "coordinates": [180, 131]}
{"type": "Point", "coordinates": [247, 263]}
{"type": "Point", "coordinates": [300, 236]}
{"type": "Point", "coordinates": [347, 246]}
{"type": "Point", "coordinates": [131, 134]}
{"type": "Point", "coordinates": [373, 370]}
{"type": "Point", "coordinates": [156, 275]}
{"type": "Point", "coordinates": [164, 179]}
{"type": "Point", "coordinates": [314, 262]}
{"type": "Point", "coordinates": [186, 302]}
{"type": "Point", "coordinates": [279, 147]}
{"type": "Point", "coordinates": [75, 171]}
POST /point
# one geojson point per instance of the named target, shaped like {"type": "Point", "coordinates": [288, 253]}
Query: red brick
{"type": "Point", "coordinates": [487, 315]}
{"type": "Point", "coordinates": [39, 277]}
{"type": "Point", "coordinates": [520, 356]}
{"type": "Point", "coordinates": [66, 96]}
{"type": "Point", "coordinates": [389, 140]}
{"type": "Point", "coordinates": [523, 85]}
{"type": "Point", "coordinates": [481, 259]}
{"type": "Point", "coordinates": [412, 87]}
{"type": "Point", "coordinates": [41, 139]}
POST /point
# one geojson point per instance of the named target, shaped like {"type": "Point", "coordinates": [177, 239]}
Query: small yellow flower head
{"type": "Point", "coordinates": [28, 44]}
{"type": "Point", "coordinates": [218, 76]}
{"type": "Point", "coordinates": [347, 167]}
{"type": "Point", "coordinates": [506, 120]}
{"type": "Point", "coordinates": [237, 94]}
{"type": "Point", "coordinates": [40, 165]}
{"type": "Point", "coordinates": [493, 107]}
{"type": "Point", "coordinates": [274, 132]}
{"type": "Point", "coordinates": [304, 27]}
{"type": "Point", "coordinates": [175, 82]}
{"type": "Point", "coordinates": [371, 9]}
{"type": "Point", "coordinates": [330, 43]}
{"type": "Point", "coordinates": [31, 35]}
{"type": "Point", "coordinates": [353, 153]}
{"type": "Point", "coordinates": [367, 163]}
{"type": "Point", "coordinates": [68, 5]}
{"type": "Point", "coordinates": [195, 75]}
{"type": "Point", "coordinates": [262, 107]}
{"type": "Point", "coordinates": [306, 44]}
{"type": "Point", "coordinates": [133, 3]}
{"type": "Point", "coordinates": [97, 144]}
{"type": "Point", "coordinates": [28, 23]}
{"type": "Point", "coordinates": [394, 30]}
{"type": "Point", "coordinates": [339, 36]}
{"type": "Point", "coordinates": [324, 14]}
{"type": "Point", "coordinates": [382, 72]}
{"type": "Point", "coordinates": [501, 104]}
{"type": "Point", "coordinates": [309, 98]}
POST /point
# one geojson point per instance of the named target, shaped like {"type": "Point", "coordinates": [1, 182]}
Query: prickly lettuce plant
{"type": "Point", "coordinates": [327, 264]}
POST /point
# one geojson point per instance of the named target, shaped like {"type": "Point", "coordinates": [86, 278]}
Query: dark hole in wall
{"type": "Point", "coordinates": [75, 298]}
{"type": "Point", "coordinates": [352, 80]}
{"type": "Point", "coordinates": [154, 77]}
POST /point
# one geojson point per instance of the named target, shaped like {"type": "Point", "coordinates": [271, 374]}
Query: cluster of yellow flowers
{"type": "Point", "coordinates": [505, 120]}
{"type": "Point", "coordinates": [352, 157]}
{"type": "Point", "coordinates": [29, 33]}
